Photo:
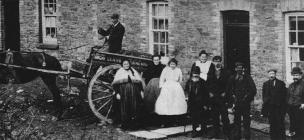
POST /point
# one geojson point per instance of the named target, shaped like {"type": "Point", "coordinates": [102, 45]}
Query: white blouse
{"type": "Point", "coordinates": [170, 74]}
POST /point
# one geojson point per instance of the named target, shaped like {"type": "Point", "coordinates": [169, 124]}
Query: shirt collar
{"type": "Point", "coordinates": [115, 24]}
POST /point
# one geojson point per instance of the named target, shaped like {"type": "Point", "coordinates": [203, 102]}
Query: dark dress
{"type": "Point", "coordinates": [274, 107]}
{"type": "Point", "coordinates": [116, 34]}
{"type": "Point", "coordinates": [198, 97]}
{"type": "Point", "coordinates": [129, 107]}
{"type": "Point", "coordinates": [152, 90]}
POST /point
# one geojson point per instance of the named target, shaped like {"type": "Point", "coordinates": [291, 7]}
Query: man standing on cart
{"type": "Point", "coordinates": [114, 34]}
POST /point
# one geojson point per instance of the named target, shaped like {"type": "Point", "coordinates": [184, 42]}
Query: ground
{"type": "Point", "coordinates": [26, 113]}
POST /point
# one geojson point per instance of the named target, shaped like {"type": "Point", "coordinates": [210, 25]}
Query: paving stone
{"type": "Point", "coordinates": [173, 130]}
{"type": "Point", "coordinates": [147, 135]}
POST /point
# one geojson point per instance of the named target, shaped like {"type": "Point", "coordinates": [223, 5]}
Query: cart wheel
{"type": "Point", "coordinates": [100, 92]}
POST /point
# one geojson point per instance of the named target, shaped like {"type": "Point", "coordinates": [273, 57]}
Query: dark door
{"type": "Point", "coordinates": [11, 24]}
{"type": "Point", "coordinates": [236, 38]}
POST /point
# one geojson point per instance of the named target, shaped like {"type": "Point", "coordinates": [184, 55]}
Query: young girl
{"type": "Point", "coordinates": [171, 100]}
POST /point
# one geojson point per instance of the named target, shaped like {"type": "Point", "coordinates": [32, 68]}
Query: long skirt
{"type": "Point", "coordinates": [130, 104]}
{"type": "Point", "coordinates": [171, 100]}
{"type": "Point", "coordinates": [151, 94]}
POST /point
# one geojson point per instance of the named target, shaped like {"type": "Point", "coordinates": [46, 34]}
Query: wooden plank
{"type": "Point", "coordinates": [36, 69]}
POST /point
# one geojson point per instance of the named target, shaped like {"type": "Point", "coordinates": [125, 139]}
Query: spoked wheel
{"type": "Point", "coordinates": [100, 92]}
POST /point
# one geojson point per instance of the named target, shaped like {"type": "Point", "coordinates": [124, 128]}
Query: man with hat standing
{"type": "Point", "coordinates": [274, 105]}
{"type": "Point", "coordinates": [114, 34]}
{"type": "Point", "coordinates": [198, 97]}
{"type": "Point", "coordinates": [295, 101]}
{"type": "Point", "coordinates": [242, 88]}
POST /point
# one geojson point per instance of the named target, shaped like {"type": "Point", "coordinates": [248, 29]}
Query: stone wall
{"type": "Point", "coordinates": [194, 25]}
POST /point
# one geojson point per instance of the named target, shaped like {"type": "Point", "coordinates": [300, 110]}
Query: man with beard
{"type": "Point", "coordinates": [219, 98]}
{"type": "Point", "coordinates": [295, 101]}
{"type": "Point", "coordinates": [274, 105]}
{"type": "Point", "coordinates": [242, 88]}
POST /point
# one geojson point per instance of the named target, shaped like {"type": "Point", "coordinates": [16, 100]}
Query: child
{"type": "Point", "coordinates": [198, 96]}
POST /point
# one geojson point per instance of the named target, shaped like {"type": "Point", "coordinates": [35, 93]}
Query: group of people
{"type": "Point", "coordinates": [211, 90]}
{"type": "Point", "coordinates": [279, 101]}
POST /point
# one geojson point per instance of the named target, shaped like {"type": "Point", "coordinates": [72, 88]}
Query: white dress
{"type": "Point", "coordinates": [171, 100]}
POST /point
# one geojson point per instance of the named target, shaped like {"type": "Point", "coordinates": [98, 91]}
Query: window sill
{"type": "Point", "coordinates": [45, 46]}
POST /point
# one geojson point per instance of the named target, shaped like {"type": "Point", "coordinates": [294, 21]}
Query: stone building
{"type": "Point", "coordinates": [262, 33]}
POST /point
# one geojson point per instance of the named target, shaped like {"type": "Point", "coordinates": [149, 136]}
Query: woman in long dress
{"type": "Point", "coordinates": [171, 101]}
{"type": "Point", "coordinates": [152, 89]}
{"type": "Point", "coordinates": [128, 86]}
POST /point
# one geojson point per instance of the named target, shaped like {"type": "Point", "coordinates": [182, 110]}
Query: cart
{"type": "Point", "coordinates": [99, 71]}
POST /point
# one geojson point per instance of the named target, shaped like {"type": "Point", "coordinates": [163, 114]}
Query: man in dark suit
{"type": "Point", "coordinates": [295, 101]}
{"type": "Point", "coordinates": [274, 105]}
{"type": "Point", "coordinates": [219, 98]}
{"type": "Point", "coordinates": [198, 98]}
{"type": "Point", "coordinates": [114, 34]}
{"type": "Point", "coordinates": [242, 88]}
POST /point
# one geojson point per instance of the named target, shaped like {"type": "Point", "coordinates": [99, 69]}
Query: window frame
{"type": "Point", "coordinates": [289, 47]}
{"type": "Point", "coordinates": [151, 30]}
{"type": "Point", "coordinates": [45, 38]}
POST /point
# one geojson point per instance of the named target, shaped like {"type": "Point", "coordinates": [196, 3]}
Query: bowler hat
{"type": "Point", "coordinates": [115, 16]}
{"type": "Point", "coordinates": [296, 70]}
{"type": "Point", "coordinates": [272, 70]}
{"type": "Point", "coordinates": [239, 64]}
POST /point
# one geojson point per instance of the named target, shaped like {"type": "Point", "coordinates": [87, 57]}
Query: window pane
{"type": "Point", "coordinates": [166, 24]}
{"type": "Point", "coordinates": [167, 49]}
{"type": "Point", "coordinates": [161, 10]}
{"type": "Point", "coordinates": [301, 38]}
{"type": "Point", "coordinates": [163, 50]}
{"type": "Point", "coordinates": [51, 1]}
{"type": "Point", "coordinates": [154, 9]}
{"type": "Point", "coordinates": [294, 55]}
{"type": "Point", "coordinates": [161, 24]}
{"type": "Point", "coordinates": [292, 23]}
{"type": "Point", "coordinates": [53, 32]}
{"type": "Point", "coordinates": [156, 36]}
{"type": "Point", "coordinates": [167, 37]}
{"type": "Point", "coordinates": [155, 23]}
{"type": "Point", "coordinates": [48, 32]}
{"type": "Point", "coordinates": [301, 54]}
{"type": "Point", "coordinates": [162, 37]}
{"type": "Point", "coordinates": [292, 38]}
{"type": "Point", "coordinates": [155, 49]}
{"type": "Point", "coordinates": [50, 21]}
{"type": "Point", "coordinates": [46, 1]}
{"type": "Point", "coordinates": [301, 23]}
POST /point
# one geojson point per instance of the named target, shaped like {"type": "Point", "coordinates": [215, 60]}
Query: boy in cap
{"type": "Point", "coordinates": [274, 105]}
{"type": "Point", "coordinates": [198, 97]}
{"type": "Point", "coordinates": [295, 101]}
{"type": "Point", "coordinates": [114, 34]}
{"type": "Point", "coordinates": [242, 88]}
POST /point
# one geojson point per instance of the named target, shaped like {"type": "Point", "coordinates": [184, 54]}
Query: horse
{"type": "Point", "coordinates": [37, 60]}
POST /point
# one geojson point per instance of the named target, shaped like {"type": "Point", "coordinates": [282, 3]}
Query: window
{"type": "Point", "coordinates": [294, 41]}
{"type": "Point", "coordinates": [49, 15]}
{"type": "Point", "coordinates": [158, 28]}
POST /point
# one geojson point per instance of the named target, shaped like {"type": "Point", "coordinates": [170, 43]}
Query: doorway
{"type": "Point", "coordinates": [11, 24]}
{"type": "Point", "coordinates": [236, 38]}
